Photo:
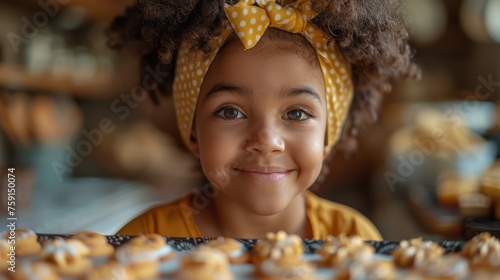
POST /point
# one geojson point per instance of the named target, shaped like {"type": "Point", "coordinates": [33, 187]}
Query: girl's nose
{"type": "Point", "coordinates": [265, 140]}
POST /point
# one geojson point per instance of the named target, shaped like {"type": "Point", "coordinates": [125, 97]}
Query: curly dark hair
{"type": "Point", "coordinates": [370, 33]}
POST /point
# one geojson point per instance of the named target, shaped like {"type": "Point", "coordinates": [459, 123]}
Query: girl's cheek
{"type": "Point", "coordinates": [215, 166]}
{"type": "Point", "coordinates": [219, 178]}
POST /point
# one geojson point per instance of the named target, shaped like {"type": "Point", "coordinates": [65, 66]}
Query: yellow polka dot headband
{"type": "Point", "coordinates": [249, 19]}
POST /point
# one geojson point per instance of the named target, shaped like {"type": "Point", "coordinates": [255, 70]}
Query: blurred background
{"type": "Point", "coordinates": [91, 150]}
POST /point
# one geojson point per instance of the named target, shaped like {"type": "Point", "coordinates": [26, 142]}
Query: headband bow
{"type": "Point", "coordinates": [250, 22]}
{"type": "Point", "coordinates": [250, 19]}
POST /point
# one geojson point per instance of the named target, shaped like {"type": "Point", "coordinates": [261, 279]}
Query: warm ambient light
{"type": "Point", "coordinates": [428, 19]}
{"type": "Point", "coordinates": [480, 21]}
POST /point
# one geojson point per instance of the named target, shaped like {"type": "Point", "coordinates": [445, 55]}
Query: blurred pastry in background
{"type": "Point", "coordinates": [475, 205]}
{"type": "Point", "coordinates": [55, 119]}
{"type": "Point", "coordinates": [435, 142]}
{"type": "Point", "coordinates": [48, 119]}
{"type": "Point", "coordinates": [15, 117]}
{"type": "Point", "coordinates": [451, 186]}
{"type": "Point", "coordinates": [490, 186]}
{"type": "Point", "coordinates": [141, 151]}
{"type": "Point", "coordinates": [490, 182]}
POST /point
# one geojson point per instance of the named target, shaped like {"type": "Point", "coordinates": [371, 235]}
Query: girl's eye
{"type": "Point", "coordinates": [297, 115]}
{"type": "Point", "coordinates": [229, 113]}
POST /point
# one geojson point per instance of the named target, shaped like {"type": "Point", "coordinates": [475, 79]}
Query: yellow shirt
{"type": "Point", "coordinates": [326, 218]}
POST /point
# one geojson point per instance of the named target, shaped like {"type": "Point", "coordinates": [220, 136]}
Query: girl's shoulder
{"type": "Point", "coordinates": [179, 204]}
{"type": "Point", "coordinates": [317, 203]}
{"type": "Point", "coordinates": [170, 219]}
{"type": "Point", "coordinates": [331, 218]}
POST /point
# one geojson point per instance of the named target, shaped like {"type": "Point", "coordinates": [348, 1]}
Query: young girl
{"type": "Point", "coordinates": [264, 89]}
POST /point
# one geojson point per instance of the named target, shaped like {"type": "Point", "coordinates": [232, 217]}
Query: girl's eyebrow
{"type": "Point", "coordinates": [225, 87]}
{"type": "Point", "coordinates": [303, 90]}
{"type": "Point", "coordinates": [242, 91]}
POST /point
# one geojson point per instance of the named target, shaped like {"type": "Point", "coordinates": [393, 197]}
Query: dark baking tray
{"type": "Point", "coordinates": [310, 245]}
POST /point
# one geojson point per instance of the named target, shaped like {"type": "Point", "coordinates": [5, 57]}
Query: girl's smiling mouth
{"type": "Point", "coordinates": [264, 173]}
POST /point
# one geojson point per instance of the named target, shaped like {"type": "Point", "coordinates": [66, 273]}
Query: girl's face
{"type": "Point", "coordinates": [259, 128]}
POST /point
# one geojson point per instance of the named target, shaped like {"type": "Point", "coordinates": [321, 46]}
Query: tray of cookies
{"type": "Point", "coordinates": [90, 255]}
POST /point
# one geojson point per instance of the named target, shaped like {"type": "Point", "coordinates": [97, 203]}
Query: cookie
{"type": "Point", "coordinates": [414, 252]}
{"type": "Point", "coordinates": [109, 271]}
{"type": "Point", "coordinates": [143, 253]}
{"type": "Point", "coordinates": [98, 243]}
{"type": "Point", "coordinates": [446, 267]}
{"type": "Point", "coordinates": [204, 263]}
{"type": "Point", "coordinates": [26, 242]}
{"type": "Point", "coordinates": [35, 270]}
{"type": "Point", "coordinates": [483, 252]}
{"type": "Point", "coordinates": [373, 269]}
{"type": "Point", "coordinates": [231, 247]}
{"type": "Point", "coordinates": [343, 250]}
{"type": "Point", "coordinates": [278, 246]}
{"type": "Point", "coordinates": [68, 256]}
{"type": "Point", "coordinates": [4, 257]}
{"type": "Point", "coordinates": [282, 269]}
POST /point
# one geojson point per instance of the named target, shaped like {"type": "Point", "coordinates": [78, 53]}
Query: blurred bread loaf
{"type": "Point", "coordinates": [490, 182]}
{"type": "Point", "coordinates": [475, 205]}
{"type": "Point", "coordinates": [490, 186]}
{"type": "Point", "coordinates": [451, 186]}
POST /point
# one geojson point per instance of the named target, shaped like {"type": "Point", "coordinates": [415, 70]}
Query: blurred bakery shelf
{"type": "Point", "coordinates": [65, 54]}
{"type": "Point", "coordinates": [18, 76]}
{"type": "Point", "coordinates": [96, 10]}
